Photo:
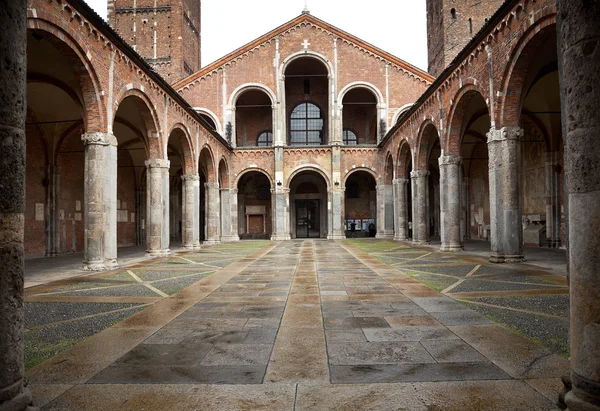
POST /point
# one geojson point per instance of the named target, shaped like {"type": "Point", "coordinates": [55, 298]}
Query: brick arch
{"type": "Point", "coordinates": [206, 163]}
{"type": "Point", "coordinates": [357, 169]}
{"type": "Point", "coordinates": [401, 111]}
{"type": "Point", "coordinates": [455, 121]}
{"type": "Point", "coordinates": [305, 53]}
{"type": "Point", "coordinates": [211, 115]}
{"type": "Point", "coordinates": [251, 170]}
{"type": "Point", "coordinates": [223, 173]}
{"type": "Point", "coordinates": [388, 168]}
{"type": "Point", "coordinates": [516, 71]}
{"type": "Point", "coordinates": [361, 84]}
{"type": "Point", "coordinates": [235, 94]}
{"type": "Point", "coordinates": [152, 143]}
{"type": "Point", "coordinates": [71, 48]}
{"type": "Point", "coordinates": [309, 167]}
{"type": "Point", "coordinates": [186, 145]}
{"type": "Point", "coordinates": [424, 144]}
{"type": "Point", "coordinates": [404, 159]}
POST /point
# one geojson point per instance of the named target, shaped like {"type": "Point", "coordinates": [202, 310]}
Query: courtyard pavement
{"type": "Point", "coordinates": [303, 324]}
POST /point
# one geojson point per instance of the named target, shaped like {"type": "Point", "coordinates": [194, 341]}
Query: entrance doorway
{"type": "Point", "coordinates": [307, 219]}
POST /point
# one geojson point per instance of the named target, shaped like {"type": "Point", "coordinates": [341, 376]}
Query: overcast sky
{"type": "Point", "coordinates": [397, 26]}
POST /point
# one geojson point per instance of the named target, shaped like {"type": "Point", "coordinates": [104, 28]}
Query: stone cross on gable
{"type": "Point", "coordinates": [306, 44]}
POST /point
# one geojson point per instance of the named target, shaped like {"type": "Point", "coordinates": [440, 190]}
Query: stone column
{"type": "Point", "coordinates": [157, 203]}
{"type": "Point", "coordinates": [337, 214]}
{"type": "Point", "coordinates": [385, 211]}
{"type": "Point", "coordinates": [465, 231]}
{"type": "Point", "coordinates": [579, 65]}
{"type": "Point", "coordinates": [401, 209]}
{"type": "Point", "coordinates": [213, 208]}
{"type": "Point", "coordinates": [280, 201]}
{"type": "Point", "coordinates": [100, 201]}
{"type": "Point", "coordinates": [505, 202]}
{"type": "Point", "coordinates": [189, 210]}
{"type": "Point", "coordinates": [13, 394]}
{"type": "Point", "coordinates": [52, 222]}
{"type": "Point", "coordinates": [228, 202]}
{"type": "Point", "coordinates": [553, 212]}
{"type": "Point", "coordinates": [420, 188]}
{"type": "Point", "coordinates": [450, 203]}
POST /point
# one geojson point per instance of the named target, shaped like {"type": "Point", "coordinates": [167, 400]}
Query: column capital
{"type": "Point", "coordinates": [234, 190]}
{"type": "Point", "coordinates": [400, 181]}
{"type": "Point", "coordinates": [190, 177]}
{"type": "Point", "coordinates": [211, 184]}
{"type": "Point", "coordinates": [505, 133]}
{"type": "Point", "coordinates": [419, 173]}
{"type": "Point", "coordinates": [99, 138]}
{"type": "Point", "coordinates": [449, 160]}
{"type": "Point", "coordinates": [157, 163]}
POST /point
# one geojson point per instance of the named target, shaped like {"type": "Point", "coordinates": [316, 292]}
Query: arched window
{"type": "Point", "coordinates": [306, 125]}
{"type": "Point", "coordinates": [453, 13]}
{"type": "Point", "coordinates": [265, 139]}
{"type": "Point", "coordinates": [349, 138]}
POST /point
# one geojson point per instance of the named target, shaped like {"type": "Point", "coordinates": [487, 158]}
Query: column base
{"type": "Point", "coordinates": [210, 242]}
{"type": "Point", "coordinates": [384, 236]}
{"type": "Point", "coordinates": [451, 248]}
{"type": "Point", "coordinates": [190, 247]}
{"type": "Point", "coordinates": [21, 402]}
{"type": "Point", "coordinates": [229, 238]}
{"type": "Point", "coordinates": [584, 394]}
{"type": "Point", "coordinates": [400, 238]}
{"type": "Point", "coordinates": [554, 244]}
{"type": "Point", "coordinates": [503, 258]}
{"type": "Point", "coordinates": [280, 237]}
{"type": "Point", "coordinates": [97, 266]}
{"type": "Point", "coordinates": [158, 253]}
{"type": "Point", "coordinates": [421, 242]}
{"type": "Point", "coordinates": [336, 237]}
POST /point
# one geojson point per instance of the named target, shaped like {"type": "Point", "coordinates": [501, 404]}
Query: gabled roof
{"type": "Point", "coordinates": [306, 18]}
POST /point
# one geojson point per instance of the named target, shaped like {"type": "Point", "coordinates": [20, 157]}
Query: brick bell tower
{"type": "Point", "coordinates": [451, 24]}
{"type": "Point", "coordinates": [166, 33]}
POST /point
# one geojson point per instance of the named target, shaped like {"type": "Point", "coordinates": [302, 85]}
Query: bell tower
{"type": "Point", "coordinates": [451, 24]}
{"type": "Point", "coordinates": [166, 33]}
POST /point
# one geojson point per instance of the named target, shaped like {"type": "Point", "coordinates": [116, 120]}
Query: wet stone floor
{"type": "Point", "coordinates": [314, 324]}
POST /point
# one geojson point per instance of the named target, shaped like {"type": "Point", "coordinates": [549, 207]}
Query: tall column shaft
{"type": "Point", "coordinates": [229, 215]}
{"type": "Point", "coordinates": [505, 201]}
{"type": "Point", "coordinates": [280, 201]}
{"type": "Point", "coordinates": [450, 203]}
{"type": "Point", "coordinates": [579, 41]}
{"type": "Point", "coordinates": [100, 201]}
{"type": "Point", "coordinates": [52, 216]}
{"type": "Point", "coordinates": [213, 208]}
{"type": "Point", "coordinates": [13, 394]}
{"type": "Point", "coordinates": [385, 211]}
{"type": "Point", "coordinates": [420, 188]}
{"type": "Point", "coordinates": [157, 212]}
{"type": "Point", "coordinates": [401, 209]}
{"type": "Point", "coordinates": [337, 214]}
{"type": "Point", "coordinates": [553, 211]}
{"type": "Point", "coordinates": [189, 206]}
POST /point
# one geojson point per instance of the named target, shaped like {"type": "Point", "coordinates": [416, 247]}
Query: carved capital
{"type": "Point", "coordinates": [100, 139]}
{"type": "Point", "coordinates": [190, 177]}
{"type": "Point", "coordinates": [419, 173]}
{"type": "Point", "coordinates": [212, 185]}
{"type": "Point", "coordinates": [158, 163]}
{"type": "Point", "coordinates": [401, 181]}
{"type": "Point", "coordinates": [505, 133]}
{"type": "Point", "coordinates": [449, 160]}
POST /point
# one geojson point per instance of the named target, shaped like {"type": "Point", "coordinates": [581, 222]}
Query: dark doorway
{"type": "Point", "coordinates": [307, 219]}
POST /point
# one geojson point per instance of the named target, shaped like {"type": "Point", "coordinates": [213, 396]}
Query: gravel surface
{"type": "Point", "coordinates": [551, 333]}
{"type": "Point", "coordinates": [548, 304]}
{"type": "Point", "coordinates": [171, 286]}
{"type": "Point", "coordinates": [37, 314]}
{"type": "Point", "coordinates": [484, 285]}
{"type": "Point", "coordinates": [137, 290]}
{"type": "Point", "coordinates": [155, 275]}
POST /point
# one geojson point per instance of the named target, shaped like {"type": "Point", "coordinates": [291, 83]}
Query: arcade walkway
{"type": "Point", "coordinates": [305, 325]}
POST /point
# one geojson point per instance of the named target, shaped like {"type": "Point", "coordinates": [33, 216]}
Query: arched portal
{"type": "Point", "coordinates": [255, 219]}
{"type": "Point", "coordinates": [253, 119]}
{"type": "Point", "coordinates": [360, 204]}
{"type": "Point", "coordinates": [425, 180]}
{"type": "Point", "coordinates": [307, 102]}
{"type": "Point", "coordinates": [359, 117]}
{"type": "Point", "coordinates": [308, 205]}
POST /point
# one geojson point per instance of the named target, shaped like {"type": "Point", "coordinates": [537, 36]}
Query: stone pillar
{"type": "Point", "coordinates": [337, 214]}
{"type": "Point", "coordinates": [505, 202]}
{"type": "Point", "coordinates": [213, 208]}
{"type": "Point", "coordinates": [157, 214]}
{"type": "Point", "coordinates": [401, 209]}
{"type": "Point", "coordinates": [465, 230]}
{"type": "Point", "coordinates": [229, 212]}
{"type": "Point", "coordinates": [13, 394]}
{"type": "Point", "coordinates": [420, 209]}
{"type": "Point", "coordinates": [385, 211]}
{"type": "Point", "coordinates": [579, 65]}
{"type": "Point", "coordinates": [52, 222]}
{"type": "Point", "coordinates": [450, 203]}
{"type": "Point", "coordinates": [553, 211]}
{"type": "Point", "coordinates": [280, 201]}
{"type": "Point", "coordinates": [100, 201]}
{"type": "Point", "coordinates": [189, 209]}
